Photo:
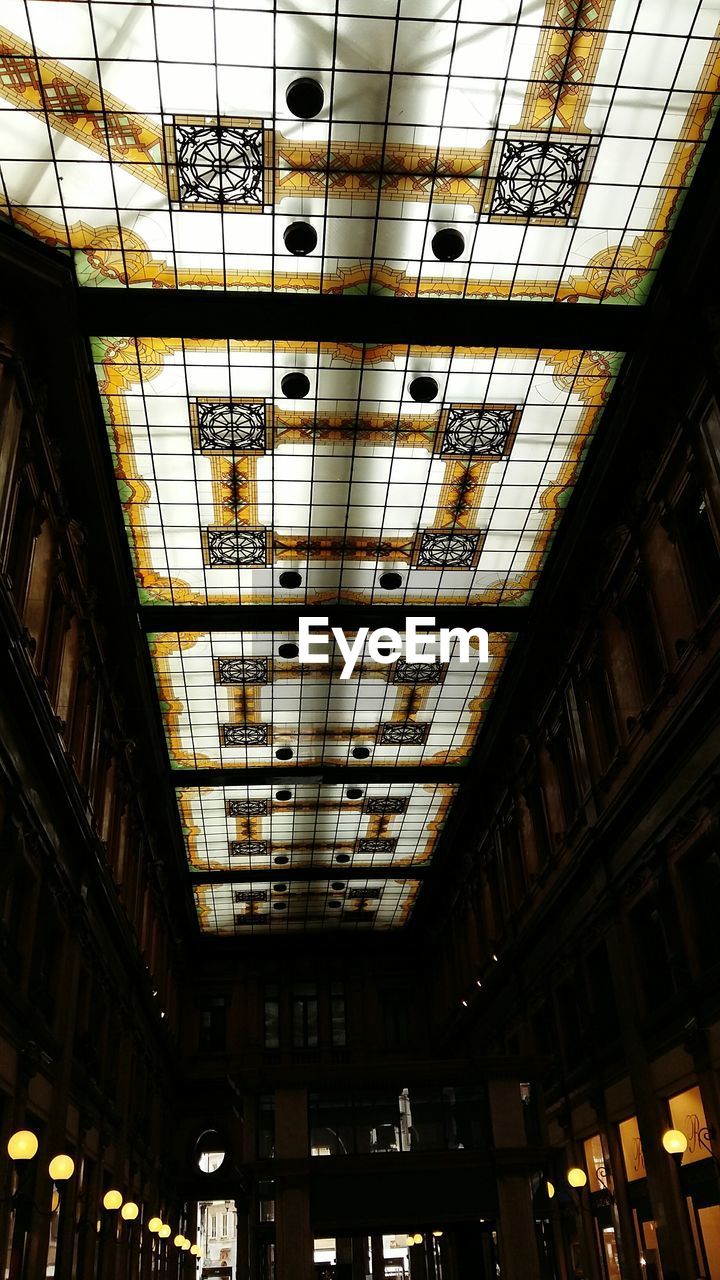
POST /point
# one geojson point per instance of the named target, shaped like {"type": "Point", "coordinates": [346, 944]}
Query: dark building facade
{"type": "Point", "coordinates": [496, 1054]}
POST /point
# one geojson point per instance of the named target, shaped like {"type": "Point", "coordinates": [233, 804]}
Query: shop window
{"type": "Point", "coordinates": [396, 1018]}
{"type": "Point", "coordinates": [213, 1023]}
{"type": "Point", "coordinates": [20, 546]}
{"type": "Point", "coordinates": [633, 1157]}
{"type": "Point", "coordinates": [513, 859]}
{"type": "Point", "coordinates": [305, 1016]}
{"type": "Point", "coordinates": [688, 1115]}
{"type": "Point", "coordinates": [602, 712]}
{"type": "Point", "coordinates": [697, 543]}
{"type": "Point", "coordinates": [645, 640]}
{"type": "Point", "coordinates": [596, 1164]}
{"type": "Point", "coordinates": [337, 1015]}
{"type": "Point", "coordinates": [272, 1018]}
{"type": "Point", "coordinates": [536, 808]}
{"type": "Point", "coordinates": [561, 753]}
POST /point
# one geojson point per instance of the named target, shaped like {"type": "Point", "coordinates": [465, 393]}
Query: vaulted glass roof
{"type": "Point", "coordinates": [183, 145]}
{"type": "Point", "coordinates": [501, 151]}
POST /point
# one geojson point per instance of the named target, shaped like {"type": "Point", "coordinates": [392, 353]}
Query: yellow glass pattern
{"type": "Point", "coordinates": [156, 144]}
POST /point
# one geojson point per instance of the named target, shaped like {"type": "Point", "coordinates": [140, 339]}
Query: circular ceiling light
{"type": "Point", "coordinates": [305, 98]}
{"type": "Point", "coordinates": [448, 244]}
{"type": "Point", "coordinates": [288, 650]}
{"type": "Point", "coordinates": [300, 238]}
{"type": "Point", "coordinates": [390, 581]}
{"type": "Point", "coordinates": [295, 386]}
{"type": "Point", "coordinates": [423, 389]}
{"type": "Point", "coordinates": [290, 578]}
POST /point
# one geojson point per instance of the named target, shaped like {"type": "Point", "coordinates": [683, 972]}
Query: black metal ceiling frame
{"type": "Point", "coordinates": [448, 322]}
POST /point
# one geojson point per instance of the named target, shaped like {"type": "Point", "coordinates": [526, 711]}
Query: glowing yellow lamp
{"type": "Point", "coordinates": [155, 1224]}
{"type": "Point", "coordinates": [195, 1250]}
{"type": "Point", "coordinates": [22, 1145]}
{"type": "Point", "coordinates": [437, 1234]}
{"type": "Point", "coordinates": [130, 1211]}
{"type": "Point", "coordinates": [550, 1186]}
{"type": "Point", "coordinates": [164, 1231]}
{"type": "Point", "coordinates": [185, 1244]}
{"type": "Point", "coordinates": [61, 1168]}
{"type": "Point", "coordinates": [112, 1199]}
{"type": "Point", "coordinates": [576, 1177]}
{"type": "Point", "coordinates": [178, 1241]}
{"type": "Point", "coordinates": [410, 1241]}
{"type": "Point", "coordinates": [417, 1238]}
{"type": "Point", "coordinates": [675, 1142]}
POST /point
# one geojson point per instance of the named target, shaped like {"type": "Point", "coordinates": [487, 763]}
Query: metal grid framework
{"type": "Point", "coordinates": [388, 714]}
{"type": "Point", "coordinates": [156, 143]}
{"type": "Point", "coordinates": [356, 478]}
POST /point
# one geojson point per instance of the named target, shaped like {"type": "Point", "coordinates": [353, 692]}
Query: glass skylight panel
{"type": "Point", "coordinates": [253, 472]}
{"type": "Point", "coordinates": [231, 700]}
{"type": "Point", "coordinates": [159, 144]}
{"type": "Point", "coordinates": [269, 828]}
{"type": "Point", "coordinates": [353, 903]}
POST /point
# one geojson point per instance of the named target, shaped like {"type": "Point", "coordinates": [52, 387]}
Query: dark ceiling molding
{"type": "Point", "coordinates": [177, 313]}
{"type": "Point", "coordinates": [281, 617]}
{"type": "Point", "coordinates": [345, 872]}
{"type": "Point", "coordinates": [328, 775]}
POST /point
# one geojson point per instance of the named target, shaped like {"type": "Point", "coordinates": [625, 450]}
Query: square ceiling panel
{"type": "Point", "coordinates": [287, 472]}
{"type": "Point", "coordinates": [232, 700]}
{"type": "Point", "coordinates": [172, 146]}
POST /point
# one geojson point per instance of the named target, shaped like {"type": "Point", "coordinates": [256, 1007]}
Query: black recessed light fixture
{"type": "Point", "coordinates": [281, 860]}
{"type": "Point", "coordinates": [288, 650]}
{"type": "Point", "coordinates": [334, 904]}
{"type": "Point", "coordinates": [390, 581]}
{"type": "Point", "coordinates": [448, 244]}
{"type": "Point", "coordinates": [290, 578]}
{"type": "Point", "coordinates": [280, 888]}
{"type": "Point", "coordinates": [279, 906]}
{"type": "Point", "coordinates": [354, 793]}
{"type": "Point", "coordinates": [300, 238]}
{"type": "Point", "coordinates": [284, 753]}
{"type": "Point", "coordinates": [342, 857]}
{"type": "Point", "coordinates": [305, 98]}
{"type": "Point", "coordinates": [423, 389]}
{"type": "Point", "coordinates": [283, 795]}
{"type": "Point", "coordinates": [360, 753]}
{"type": "Point", "coordinates": [337, 886]}
{"type": "Point", "coordinates": [295, 385]}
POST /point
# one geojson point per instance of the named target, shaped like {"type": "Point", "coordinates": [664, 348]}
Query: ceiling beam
{"type": "Point", "coordinates": [328, 775]}
{"type": "Point", "coordinates": [193, 313]}
{"type": "Point", "coordinates": [285, 617]}
{"type": "Point", "coordinates": [287, 875]}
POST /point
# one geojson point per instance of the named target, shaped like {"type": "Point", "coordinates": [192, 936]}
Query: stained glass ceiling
{"type": "Point", "coordinates": [259, 474]}
{"type": "Point", "coordinates": [452, 149]}
{"type": "Point", "coordinates": [171, 145]}
{"type": "Point", "coordinates": [236, 492]}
